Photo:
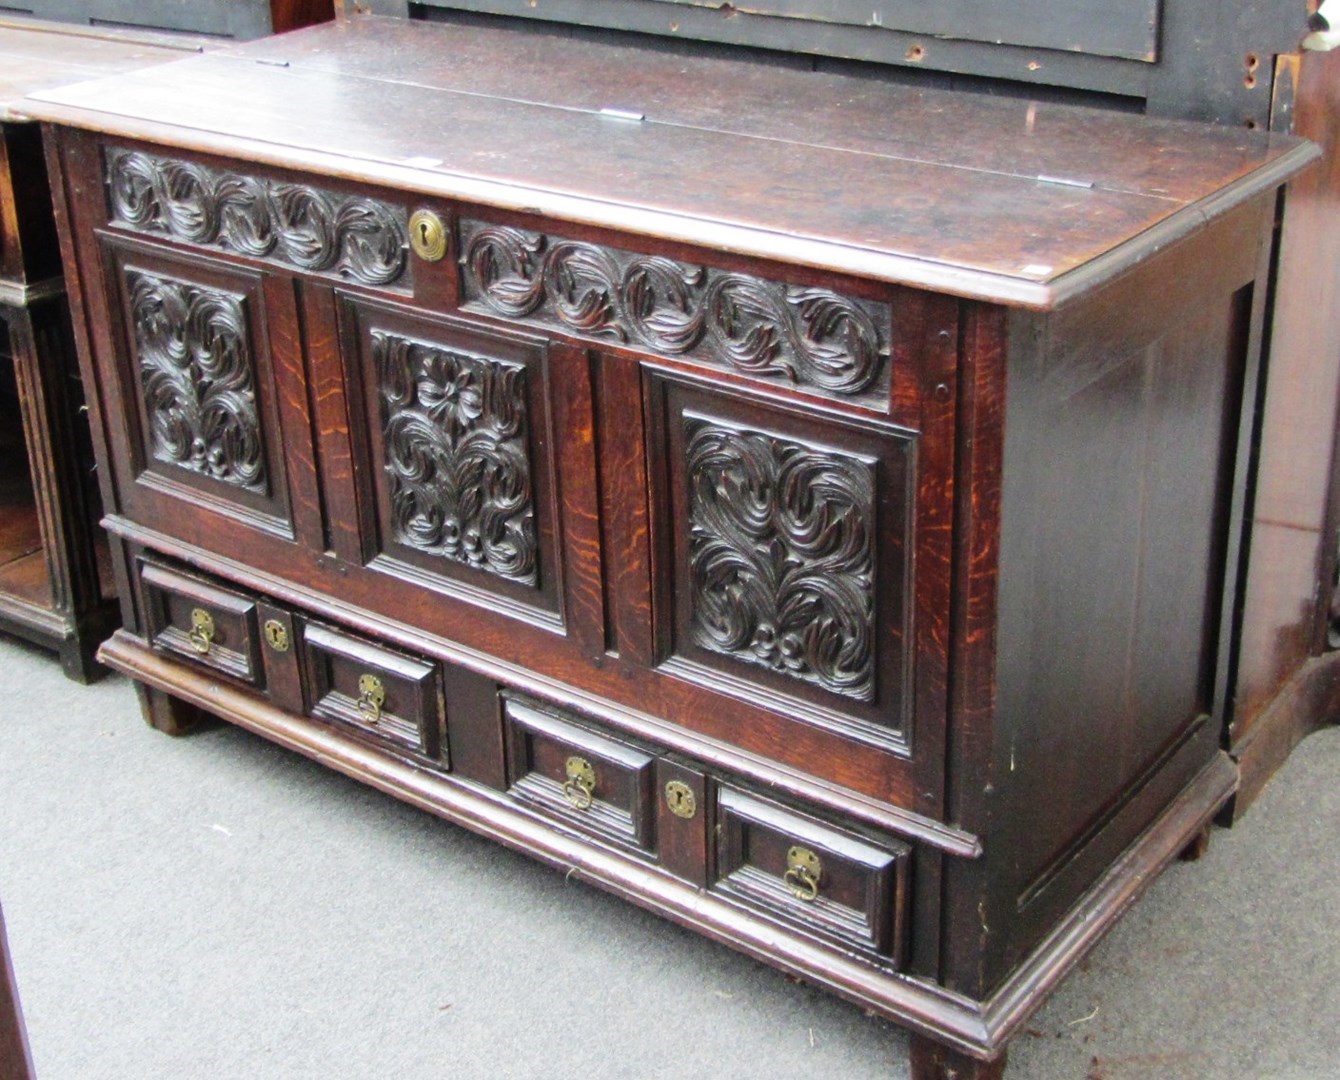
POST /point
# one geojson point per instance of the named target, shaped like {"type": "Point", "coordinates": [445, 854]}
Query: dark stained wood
{"type": "Point", "coordinates": [581, 777]}
{"type": "Point", "coordinates": [280, 655]}
{"type": "Point", "coordinates": [796, 870]}
{"type": "Point", "coordinates": [950, 129]}
{"type": "Point", "coordinates": [1119, 438]}
{"type": "Point", "coordinates": [626, 538]}
{"type": "Point", "coordinates": [683, 822]}
{"type": "Point", "coordinates": [167, 713]}
{"type": "Point", "coordinates": [935, 1061]}
{"type": "Point", "coordinates": [175, 606]}
{"type": "Point", "coordinates": [675, 180]}
{"type": "Point", "coordinates": [16, 1061]}
{"type": "Point", "coordinates": [52, 588]}
{"type": "Point", "coordinates": [682, 511]}
{"type": "Point", "coordinates": [474, 727]}
{"type": "Point", "coordinates": [383, 695]}
{"type": "Point", "coordinates": [1291, 550]}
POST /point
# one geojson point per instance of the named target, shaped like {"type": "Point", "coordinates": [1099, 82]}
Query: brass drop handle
{"type": "Point", "coordinates": [580, 786]}
{"type": "Point", "coordinates": [371, 697]}
{"type": "Point", "coordinates": [201, 635]}
{"type": "Point", "coordinates": [804, 870]}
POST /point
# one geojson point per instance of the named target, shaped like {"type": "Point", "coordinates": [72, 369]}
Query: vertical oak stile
{"type": "Point", "coordinates": [624, 490]}
{"type": "Point", "coordinates": [337, 440]}
{"type": "Point", "coordinates": [572, 411]}
{"type": "Point", "coordinates": [69, 154]}
{"type": "Point", "coordinates": [289, 344]}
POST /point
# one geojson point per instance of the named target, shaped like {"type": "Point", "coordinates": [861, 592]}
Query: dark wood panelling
{"type": "Point", "coordinates": [1291, 551]}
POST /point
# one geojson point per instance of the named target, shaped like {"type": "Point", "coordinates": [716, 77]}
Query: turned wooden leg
{"type": "Point", "coordinates": [1197, 846]}
{"type": "Point", "coordinates": [934, 1061]}
{"type": "Point", "coordinates": [166, 713]}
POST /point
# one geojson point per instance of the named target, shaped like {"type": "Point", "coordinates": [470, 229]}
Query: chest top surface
{"type": "Point", "coordinates": [999, 199]}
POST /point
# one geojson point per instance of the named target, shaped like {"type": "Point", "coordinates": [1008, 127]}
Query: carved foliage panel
{"type": "Point", "coordinates": [781, 555]}
{"type": "Point", "coordinates": [812, 337]}
{"type": "Point", "coordinates": [455, 447]}
{"type": "Point", "coordinates": [788, 539]}
{"type": "Point", "coordinates": [196, 375]}
{"type": "Point", "coordinates": [297, 225]}
{"type": "Point", "coordinates": [454, 459]}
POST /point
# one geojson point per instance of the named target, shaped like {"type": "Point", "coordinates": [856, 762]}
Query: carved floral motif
{"type": "Point", "coordinates": [454, 429]}
{"type": "Point", "coordinates": [811, 336]}
{"type": "Point", "coordinates": [295, 224]}
{"type": "Point", "coordinates": [781, 555]}
{"type": "Point", "coordinates": [197, 379]}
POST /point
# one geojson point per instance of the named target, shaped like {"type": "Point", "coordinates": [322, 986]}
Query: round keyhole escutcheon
{"type": "Point", "coordinates": [427, 235]}
{"type": "Point", "coordinates": [680, 798]}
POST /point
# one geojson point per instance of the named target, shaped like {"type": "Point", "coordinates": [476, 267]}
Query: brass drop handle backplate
{"type": "Point", "coordinates": [371, 697]}
{"type": "Point", "coordinates": [201, 635]}
{"type": "Point", "coordinates": [580, 786]}
{"type": "Point", "coordinates": [804, 871]}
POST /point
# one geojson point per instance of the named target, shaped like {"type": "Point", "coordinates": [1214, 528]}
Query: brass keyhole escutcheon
{"type": "Point", "coordinates": [427, 235]}
{"type": "Point", "coordinates": [201, 635]}
{"type": "Point", "coordinates": [580, 786]}
{"type": "Point", "coordinates": [371, 697]}
{"type": "Point", "coordinates": [276, 633]}
{"type": "Point", "coordinates": [804, 871]}
{"type": "Point", "coordinates": [680, 798]}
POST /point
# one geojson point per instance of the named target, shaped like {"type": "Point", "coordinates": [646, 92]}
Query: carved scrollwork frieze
{"type": "Point", "coordinates": [781, 553]}
{"type": "Point", "coordinates": [356, 238]}
{"type": "Point", "coordinates": [813, 337]}
{"type": "Point", "coordinates": [454, 429]}
{"type": "Point", "coordinates": [197, 378]}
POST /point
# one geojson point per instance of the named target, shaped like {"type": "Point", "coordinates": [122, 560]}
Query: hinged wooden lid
{"type": "Point", "coordinates": [992, 198]}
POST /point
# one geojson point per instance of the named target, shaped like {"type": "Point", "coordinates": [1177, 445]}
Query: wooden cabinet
{"type": "Point", "coordinates": [55, 586]}
{"type": "Point", "coordinates": [825, 549]}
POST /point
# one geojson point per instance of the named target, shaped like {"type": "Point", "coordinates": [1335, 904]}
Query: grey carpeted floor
{"type": "Point", "coordinates": [214, 907]}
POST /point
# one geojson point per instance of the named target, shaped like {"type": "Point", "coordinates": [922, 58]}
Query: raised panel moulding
{"type": "Point", "coordinates": [455, 433]}
{"type": "Point", "coordinates": [781, 555]}
{"type": "Point", "coordinates": [197, 379]}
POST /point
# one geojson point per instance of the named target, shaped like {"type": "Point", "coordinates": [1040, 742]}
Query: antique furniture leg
{"type": "Point", "coordinates": [167, 714]}
{"type": "Point", "coordinates": [932, 1060]}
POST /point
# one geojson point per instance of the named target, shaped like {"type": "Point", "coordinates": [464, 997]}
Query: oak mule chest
{"type": "Point", "coordinates": [795, 503]}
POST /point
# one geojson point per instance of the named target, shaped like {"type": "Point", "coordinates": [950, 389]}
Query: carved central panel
{"type": "Point", "coordinates": [810, 336]}
{"type": "Point", "coordinates": [197, 377]}
{"type": "Point", "coordinates": [295, 224]}
{"type": "Point", "coordinates": [782, 555]}
{"type": "Point", "coordinates": [454, 430]}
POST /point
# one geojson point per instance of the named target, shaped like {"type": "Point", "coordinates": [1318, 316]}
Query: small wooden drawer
{"type": "Point", "coordinates": [192, 618]}
{"type": "Point", "coordinates": [393, 697]}
{"type": "Point", "coordinates": [812, 876]}
{"type": "Point", "coordinates": [580, 777]}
